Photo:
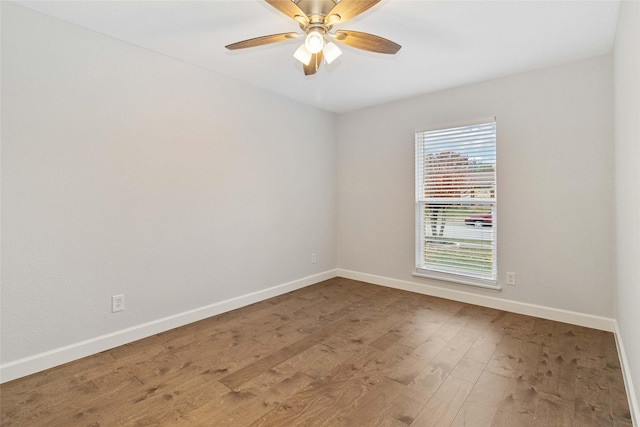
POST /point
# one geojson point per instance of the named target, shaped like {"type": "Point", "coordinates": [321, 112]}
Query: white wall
{"type": "Point", "coordinates": [555, 181]}
{"type": "Point", "coordinates": [124, 171]}
{"type": "Point", "coordinates": [627, 186]}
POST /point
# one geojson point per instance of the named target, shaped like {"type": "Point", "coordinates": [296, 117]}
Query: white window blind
{"type": "Point", "coordinates": [456, 203]}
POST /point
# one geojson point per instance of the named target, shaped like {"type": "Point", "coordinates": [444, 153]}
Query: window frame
{"type": "Point", "coordinates": [450, 274]}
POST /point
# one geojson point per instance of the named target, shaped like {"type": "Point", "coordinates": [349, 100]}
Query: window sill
{"type": "Point", "coordinates": [478, 283]}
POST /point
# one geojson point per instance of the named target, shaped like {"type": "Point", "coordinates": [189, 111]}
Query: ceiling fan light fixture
{"type": "Point", "coordinates": [331, 52]}
{"type": "Point", "coordinates": [303, 55]}
{"type": "Point", "coordinates": [316, 19]}
{"type": "Point", "coordinates": [314, 41]}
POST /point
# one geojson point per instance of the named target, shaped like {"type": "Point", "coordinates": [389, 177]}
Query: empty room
{"type": "Point", "coordinates": [320, 213]}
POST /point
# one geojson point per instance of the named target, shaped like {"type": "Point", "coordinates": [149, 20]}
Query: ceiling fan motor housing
{"type": "Point", "coordinates": [316, 8]}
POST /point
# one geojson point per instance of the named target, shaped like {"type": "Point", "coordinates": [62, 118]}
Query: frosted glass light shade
{"type": "Point", "coordinates": [303, 55]}
{"type": "Point", "coordinates": [331, 52]}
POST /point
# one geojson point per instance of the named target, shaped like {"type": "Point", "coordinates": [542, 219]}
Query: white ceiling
{"type": "Point", "coordinates": [444, 43]}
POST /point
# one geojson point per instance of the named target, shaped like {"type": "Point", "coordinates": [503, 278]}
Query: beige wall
{"type": "Point", "coordinates": [627, 186]}
{"type": "Point", "coordinates": [555, 181]}
{"type": "Point", "coordinates": [124, 171]}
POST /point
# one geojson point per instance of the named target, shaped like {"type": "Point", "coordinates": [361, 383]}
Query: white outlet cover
{"type": "Point", "coordinates": [117, 303]}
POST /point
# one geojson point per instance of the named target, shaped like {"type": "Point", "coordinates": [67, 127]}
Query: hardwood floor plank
{"type": "Point", "coordinates": [445, 404]}
{"type": "Point", "coordinates": [372, 409]}
{"type": "Point", "coordinates": [622, 422]}
{"type": "Point", "coordinates": [132, 405]}
{"type": "Point", "coordinates": [403, 409]}
{"type": "Point", "coordinates": [254, 408]}
{"type": "Point", "coordinates": [415, 361]}
{"type": "Point", "coordinates": [619, 403]}
{"type": "Point", "coordinates": [592, 404]}
{"type": "Point", "coordinates": [331, 357]}
{"type": "Point", "coordinates": [553, 411]}
{"type": "Point", "coordinates": [468, 369]}
{"type": "Point", "coordinates": [485, 346]}
{"type": "Point", "coordinates": [483, 401]}
{"type": "Point", "coordinates": [518, 406]}
{"type": "Point", "coordinates": [437, 371]}
{"type": "Point", "coordinates": [239, 377]}
{"type": "Point", "coordinates": [517, 357]}
{"type": "Point", "coordinates": [285, 369]}
{"type": "Point", "coordinates": [342, 388]}
{"type": "Point", "coordinates": [557, 373]}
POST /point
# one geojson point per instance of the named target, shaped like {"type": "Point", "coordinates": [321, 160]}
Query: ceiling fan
{"type": "Point", "coordinates": [316, 18]}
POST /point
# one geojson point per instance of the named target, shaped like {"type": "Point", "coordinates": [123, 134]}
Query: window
{"type": "Point", "coordinates": [456, 222]}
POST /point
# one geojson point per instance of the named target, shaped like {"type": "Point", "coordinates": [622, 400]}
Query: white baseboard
{"type": "Point", "coordinates": [575, 318]}
{"type": "Point", "coordinates": [634, 408]}
{"type": "Point", "coordinates": [40, 362]}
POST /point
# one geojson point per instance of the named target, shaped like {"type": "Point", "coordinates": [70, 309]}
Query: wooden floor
{"type": "Point", "coordinates": [339, 353]}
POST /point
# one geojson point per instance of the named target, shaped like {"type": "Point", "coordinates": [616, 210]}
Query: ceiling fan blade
{"type": "Point", "coordinates": [290, 9]}
{"type": "Point", "coordinates": [348, 9]}
{"type": "Point", "coordinates": [259, 41]}
{"type": "Point", "coordinates": [366, 41]}
{"type": "Point", "coordinates": [313, 65]}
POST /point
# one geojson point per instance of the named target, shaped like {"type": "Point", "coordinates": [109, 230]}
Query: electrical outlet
{"type": "Point", "coordinates": [511, 278]}
{"type": "Point", "coordinates": [314, 258]}
{"type": "Point", "coordinates": [117, 303]}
